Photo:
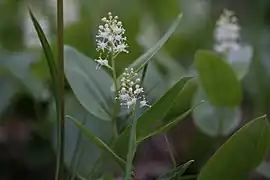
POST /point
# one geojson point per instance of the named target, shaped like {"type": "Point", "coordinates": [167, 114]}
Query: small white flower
{"type": "Point", "coordinates": [144, 103]}
{"type": "Point", "coordinates": [130, 91]}
{"type": "Point", "coordinates": [227, 33]}
{"type": "Point", "coordinates": [102, 62]}
{"type": "Point", "coordinates": [111, 37]}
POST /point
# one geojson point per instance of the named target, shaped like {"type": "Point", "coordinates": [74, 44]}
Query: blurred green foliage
{"type": "Point", "coordinates": [24, 69]}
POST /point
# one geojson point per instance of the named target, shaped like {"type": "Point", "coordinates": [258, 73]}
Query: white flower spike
{"type": "Point", "coordinates": [110, 37]}
{"type": "Point", "coordinates": [130, 91]}
{"type": "Point", "coordinates": [227, 33]}
{"type": "Point", "coordinates": [110, 40]}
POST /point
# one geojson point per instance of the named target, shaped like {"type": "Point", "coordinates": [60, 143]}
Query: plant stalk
{"type": "Point", "coordinates": [131, 146]}
{"type": "Point", "coordinates": [59, 174]}
{"type": "Point", "coordinates": [117, 104]}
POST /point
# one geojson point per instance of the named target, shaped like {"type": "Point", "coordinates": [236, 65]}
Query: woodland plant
{"type": "Point", "coordinates": [92, 82]}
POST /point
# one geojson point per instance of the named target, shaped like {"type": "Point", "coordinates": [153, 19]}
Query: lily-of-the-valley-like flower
{"type": "Point", "coordinates": [227, 33]}
{"type": "Point", "coordinates": [110, 39]}
{"type": "Point", "coordinates": [131, 92]}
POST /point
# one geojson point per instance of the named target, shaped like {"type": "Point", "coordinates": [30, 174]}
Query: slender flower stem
{"type": "Point", "coordinates": [61, 119]}
{"type": "Point", "coordinates": [116, 108]}
{"type": "Point", "coordinates": [131, 146]}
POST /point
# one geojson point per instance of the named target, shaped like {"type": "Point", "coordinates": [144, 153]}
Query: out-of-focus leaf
{"type": "Point", "coordinates": [151, 119]}
{"type": "Point", "coordinates": [139, 63]}
{"type": "Point", "coordinates": [263, 169]}
{"type": "Point", "coordinates": [242, 153]}
{"type": "Point", "coordinates": [7, 90]}
{"type": "Point", "coordinates": [147, 39]}
{"type": "Point", "coordinates": [208, 118]}
{"type": "Point", "coordinates": [99, 142]}
{"type": "Point", "coordinates": [218, 80]}
{"type": "Point", "coordinates": [18, 66]}
{"type": "Point", "coordinates": [240, 60]}
{"type": "Point", "coordinates": [91, 86]}
{"type": "Point", "coordinates": [177, 172]}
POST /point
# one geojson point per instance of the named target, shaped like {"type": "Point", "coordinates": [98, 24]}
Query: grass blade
{"type": "Point", "coordinates": [58, 88]}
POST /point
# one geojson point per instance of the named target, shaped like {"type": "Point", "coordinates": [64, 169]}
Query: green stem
{"type": "Point", "coordinates": [131, 146]}
{"type": "Point", "coordinates": [117, 105]}
{"type": "Point", "coordinates": [61, 119]}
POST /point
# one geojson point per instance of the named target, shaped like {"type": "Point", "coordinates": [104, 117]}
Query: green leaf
{"type": "Point", "coordinates": [184, 101]}
{"type": "Point", "coordinates": [140, 62]}
{"type": "Point", "coordinates": [242, 153]}
{"type": "Point", "coordinates": [49, 57]}
{"type": "Point", "coordinates": [91, 86]}
{"type": "Point", "coordinates": [158, 111]}
{"type": "Point", "coordinates": [99, 142]}
{"type": "Point", "coordinates": [218, 79]}
{"type": "Point", "coordinates": [17, 65]}
{"type": "Point", "coordinates": [81, 153]}
{"type": "Point", "coordinates": [212, 120]}
{"type": "Point", "coordinates": [167, 126]}
{"type": "Point", "coordinates": [149, 121]}
{"type": "Point", "coordinates": [177, 172]}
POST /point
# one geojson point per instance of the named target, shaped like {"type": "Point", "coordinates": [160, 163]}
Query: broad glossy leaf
{"type": "Point", "coordinates": [91, 86]}
{"type": "Point", "coordinates": [218, 79]}
{"type": "Point", "coordinates": [208, 118]}
{"type": "Point", "coordinates": [151, 119]}
{"type": "Point", "coordinates": [239, 155]}
{"type": "Point", "coordinates": [177, 172]}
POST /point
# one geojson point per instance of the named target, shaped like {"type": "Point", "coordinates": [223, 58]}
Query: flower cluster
{"type": "Point", "coordinates": [110, 39]}
{"type": "Point", "coordinates": [130, 91]}
{"type": "Point", "coordinates": [227, 33]}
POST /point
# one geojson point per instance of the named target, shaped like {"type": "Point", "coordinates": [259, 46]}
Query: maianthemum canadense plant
{"type": "Point", "coordinates": [123, 100]}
